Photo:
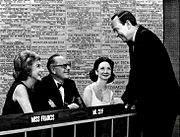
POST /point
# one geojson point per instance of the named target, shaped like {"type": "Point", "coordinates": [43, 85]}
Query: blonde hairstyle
{"type": "Point", "coordinates": [23, 64]}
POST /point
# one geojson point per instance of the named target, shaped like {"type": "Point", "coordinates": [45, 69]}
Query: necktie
{"type": "Point", "coordinates": [131, 53]}
{"type": "Point", "coordinates": [61, 89]}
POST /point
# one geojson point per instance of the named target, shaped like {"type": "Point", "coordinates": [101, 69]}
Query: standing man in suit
{"type": "Point", "coordinates": [152, 85]}
{"type": "Point", "coordinates": [56, 90]}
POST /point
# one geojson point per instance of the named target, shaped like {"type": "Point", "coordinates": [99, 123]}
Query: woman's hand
{"type": "Point", "coordinates": [117, 100]}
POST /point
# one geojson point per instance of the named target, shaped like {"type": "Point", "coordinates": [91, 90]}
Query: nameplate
{"type": "Point", "coordinates": [97, 111]}
{"type": "Point", "coordinates": [43, 118]}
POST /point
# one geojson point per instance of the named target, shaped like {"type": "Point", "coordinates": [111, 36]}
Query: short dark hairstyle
{"type": "Point", "coordinates": [51, 61]}
{"type": "Point", "coordinates": [23, 64]}
{"type": "Point", "coordinates": [124, 16]}
{"type": "Point", "coordinates": [92, 74]}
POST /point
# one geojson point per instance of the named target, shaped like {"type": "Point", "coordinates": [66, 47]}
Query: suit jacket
{"type": "Point", "coordinates": [152, 84]}
{"type": "Point", "coordinates": [50, 97]}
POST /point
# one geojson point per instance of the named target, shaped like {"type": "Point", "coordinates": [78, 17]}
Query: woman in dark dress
{"type": "Point", "coordinates": [27, 71]}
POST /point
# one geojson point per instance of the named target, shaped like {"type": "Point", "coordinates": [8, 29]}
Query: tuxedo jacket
{"type": "Point", "coordinates": [152, 84]}
{"type": "Point", "coordinates": [49, 97]}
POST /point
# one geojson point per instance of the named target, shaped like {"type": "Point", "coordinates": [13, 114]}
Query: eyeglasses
{"type": "Point", "coordinates": [64, 66]}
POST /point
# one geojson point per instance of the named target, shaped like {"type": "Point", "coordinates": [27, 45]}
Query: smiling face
{"type": "Point", "coordinates": [36, 71]}
{"type": "Point", "coordinates": [122, 31]}
{"type": "Point", "coordinates": [104, 71]}
{"type": "Point", "coordinates": [61, 68]}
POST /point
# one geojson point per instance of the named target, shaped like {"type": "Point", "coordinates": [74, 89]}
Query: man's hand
{"type": "Point", "coordinates": [131, 107]}
{"type": "Point", "coordinates": [73, 106]}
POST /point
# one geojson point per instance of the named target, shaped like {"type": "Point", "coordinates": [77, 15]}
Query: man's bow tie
{"type": "Point", "coordinates": [60, 85]}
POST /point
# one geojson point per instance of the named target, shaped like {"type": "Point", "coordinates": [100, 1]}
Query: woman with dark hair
{"type": "Point", "coordinates": [27, 71]}
{"type": "Point", "coordinates": [97, 93]}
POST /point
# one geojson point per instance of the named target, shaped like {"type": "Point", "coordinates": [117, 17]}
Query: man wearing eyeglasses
{"type": "Point", "coordinates": [59, 92]}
